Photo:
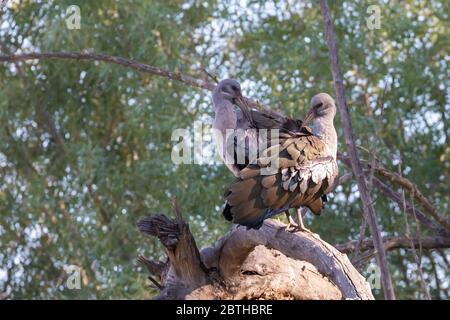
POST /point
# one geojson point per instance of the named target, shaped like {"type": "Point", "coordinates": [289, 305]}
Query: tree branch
{"type": "Point", "coordinates": [304, 246]}
{"type": "Point", "coordinates": [115, 60]}
{"type": "Point", "coordinates": [402, 242]}
{"type": "Point", "coordinates": [186, 270]}
{"type": "Point", "coordinates": [414, 191]}
{"type": "Point", "coordinates": [268, 263]}
{"type": "Point", "coordinates": [397, 198]}
{"type": "Point", "coordinates": [177, 76]}
{"type": "Point", "coordinates": [368, 208]}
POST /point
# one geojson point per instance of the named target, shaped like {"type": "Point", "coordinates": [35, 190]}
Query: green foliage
{"type": "Point", "coordinates": [86, 147]}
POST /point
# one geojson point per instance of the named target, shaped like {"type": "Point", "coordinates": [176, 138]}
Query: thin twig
{"type": "Point", "coordinates": [412, 246]}
{"type": "Point", "coordinates": [400, 242]}
{"type": "Point", "coordinates": [177, 210]}
{"type": "Point", "coordinates": [417, 256]}
{"type": "Point", "coordinates": [412, 188]}
{"type": "Point", "coordinates": [435, 275]}
{"type": "Point", "coordinates": [213, 77]}
{"type": "Point", "coordinates": [374, 144]}
{"type": "Point", "coordinates": [397, 198]}
{"type": "Point", "coordinates": [177, 76]}
{"type": "Point", "coordinates": [112, 59]}
{"type": "Point", "coordinates": [362, 231]}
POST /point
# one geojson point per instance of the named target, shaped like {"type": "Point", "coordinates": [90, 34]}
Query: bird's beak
{"type": "Point", "coordinates": [242, 103]}
{"type": "Point", "coordinates": [308, 119]}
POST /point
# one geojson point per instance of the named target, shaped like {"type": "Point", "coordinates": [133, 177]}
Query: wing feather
{"type": "Point", "coordinates": [303, 175]}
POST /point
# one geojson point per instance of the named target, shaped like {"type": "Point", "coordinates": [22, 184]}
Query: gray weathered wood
{"type": "Point", "coordinates": [269, 263]}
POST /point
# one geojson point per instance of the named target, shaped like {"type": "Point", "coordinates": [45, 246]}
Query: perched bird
{"type": "Point", "coordinates": [305, 173]}
{"type": "Point", "coordinates": [236, 126]}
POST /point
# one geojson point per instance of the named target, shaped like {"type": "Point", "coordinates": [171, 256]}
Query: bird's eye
{"type": "Point", "coordinates": [317, 106]}
{"type": "Point", "coordinates": [234, 88]}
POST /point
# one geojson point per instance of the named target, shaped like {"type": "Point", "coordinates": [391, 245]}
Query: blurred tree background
{"type": "Point", "coordinates": [85, 147]}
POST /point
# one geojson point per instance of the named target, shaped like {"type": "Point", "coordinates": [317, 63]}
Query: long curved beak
{"type": "Point", "coordinates": [309, 118]}
{"type": "Point", "coordinates": [242, 103]}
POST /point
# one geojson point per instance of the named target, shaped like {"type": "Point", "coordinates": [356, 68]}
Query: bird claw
{"type": "Point", "coordinates": [294, 227]}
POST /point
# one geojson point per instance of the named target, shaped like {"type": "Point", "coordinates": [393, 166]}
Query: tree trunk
{"type": "Point", "coordinates": [269, 263]}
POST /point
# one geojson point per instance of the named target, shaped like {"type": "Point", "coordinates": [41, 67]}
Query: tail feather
{"type": "Point", "coordinates": [258, 220]}
{"type": "Point", "coordinates": [254, 197]}
{"type": "Point", "coordinates": [252, 200]}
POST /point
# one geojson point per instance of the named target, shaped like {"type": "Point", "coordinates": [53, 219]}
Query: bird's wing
{"type": "Point", "coordinates": [244, 146]}
{"type": "Point", "coordinates": [260, 119]}
{"type": "Point", "coordinates": [304, 173]}
{"type": "Point", "coordinates": [265, 120]}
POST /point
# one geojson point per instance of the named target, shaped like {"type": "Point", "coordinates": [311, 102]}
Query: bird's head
{"type": "Point", "coordinates": [322, 107]}
{"type": "Point", "coordinates": [228, 89]}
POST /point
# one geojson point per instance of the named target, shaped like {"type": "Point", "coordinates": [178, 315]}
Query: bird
{"type": "Point", "coordinates": [305, 173]}
{"type": "Point", "coordinates": [236, 127]}
{"type": "Point", "coordinates": [226, 97]}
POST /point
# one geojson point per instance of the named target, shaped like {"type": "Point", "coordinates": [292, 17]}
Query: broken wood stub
{"type": "Point", "coordinates": [269, 263]}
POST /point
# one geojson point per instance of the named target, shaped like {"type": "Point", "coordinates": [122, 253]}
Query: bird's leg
{"type": "Point", "coordinates": [289, 218]}
{"type": "Point", "coordinates": [300, 213]}
{"type": "Point", "coordinates": [296, 225]}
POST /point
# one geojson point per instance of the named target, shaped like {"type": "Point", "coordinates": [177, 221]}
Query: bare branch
{"type": "Point", "coordinates": [402, 242]}
{"type": "Point", "coordinates": [368, 208]}
{"type": "Point", "coordinates": [362, 233]}
{"type": "Point", "coordinates": [396, 197]}
{"type": "Point", "coordinates": [417, 257]}
{"type": "Point", "coordinates": [177, 76]}
{"type": "Point", "coordinates": [213, 77]}
{"type": "Point", "coordinates": [412, 189]}
{"type": "Point", "coordinates": [111, 59]}
{"type": "Point", "coordinates": [155, 268]}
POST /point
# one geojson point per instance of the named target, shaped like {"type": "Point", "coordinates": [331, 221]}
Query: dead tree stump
{"type": "Point", "coordinates": [269, 263]}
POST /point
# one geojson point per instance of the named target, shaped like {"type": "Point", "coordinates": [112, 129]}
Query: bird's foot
{"type": "Point", "coordinates": [294, 227]}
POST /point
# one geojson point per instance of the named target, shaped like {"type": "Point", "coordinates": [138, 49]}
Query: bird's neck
{"type": "Point", "coordinates": [225, 116]}
{"type": "Point", "coordinates": [324, 128]}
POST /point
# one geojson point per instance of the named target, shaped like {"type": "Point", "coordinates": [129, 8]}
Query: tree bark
{"type": "Point", "coordinates": [269, 263]}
